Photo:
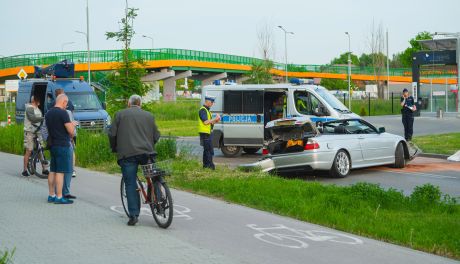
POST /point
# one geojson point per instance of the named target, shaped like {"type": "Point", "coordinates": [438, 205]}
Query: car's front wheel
{"type": "Point", "coordinates": [231, 151]}
{"type": "Point", "coordinates": [341, 165]}
{"type": "Point", "coordinates": [400, 161]}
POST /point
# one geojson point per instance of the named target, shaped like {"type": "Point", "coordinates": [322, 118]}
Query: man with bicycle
{"type": "Point", "coordinates": [32, 121]}
{"type": "Point", "coordinates": [132, 136]}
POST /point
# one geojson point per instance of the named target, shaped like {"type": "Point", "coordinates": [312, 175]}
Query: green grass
{"type": "Point", "coordinates": [186, 109]}
{"type": "Point", "coordinates": [446, 144]}
{"type": "Point", "coordinates": [10, 109]}
{"type": "Point", "coordinates": [420, 221]}
{"type": "Point", "coordinates": [178, 127]}
{"type": "Point", "coordinates": [378, 107]}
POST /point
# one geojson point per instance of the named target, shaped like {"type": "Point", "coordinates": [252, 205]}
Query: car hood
{"type": "Point", "coordinates": [90, 115]}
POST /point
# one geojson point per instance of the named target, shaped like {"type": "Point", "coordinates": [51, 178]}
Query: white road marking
{"type": "Point", "coordinates": [180, 211]}
{"type": "Point", "coordinates": [283, 236]}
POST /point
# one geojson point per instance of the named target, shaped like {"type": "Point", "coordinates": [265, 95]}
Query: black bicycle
{"type": "Point", "coordinates": [38, 163]}
{"type": "Point", "coordinates": [154, 191]}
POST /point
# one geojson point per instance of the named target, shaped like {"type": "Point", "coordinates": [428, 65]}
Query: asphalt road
{"type": "Point", "coordinates": [93, 230]}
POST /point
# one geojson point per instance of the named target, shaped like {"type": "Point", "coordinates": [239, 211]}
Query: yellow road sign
{"type": "Point", "coordinates": [22, 74]}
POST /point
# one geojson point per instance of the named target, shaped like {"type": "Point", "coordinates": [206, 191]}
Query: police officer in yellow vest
{"type": "Point", "coordinates": [205, 125]}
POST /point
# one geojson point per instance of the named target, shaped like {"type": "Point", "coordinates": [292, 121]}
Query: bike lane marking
{"type": "Point", "coordinates": [180, 211]}
{"type": "Point", "coordinates": [295, 238]}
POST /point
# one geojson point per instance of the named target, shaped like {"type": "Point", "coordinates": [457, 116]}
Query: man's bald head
{"type": "Point", "coordinates": [61, 101]}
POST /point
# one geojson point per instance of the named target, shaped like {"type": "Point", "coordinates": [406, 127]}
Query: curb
{"type": "Point", "coordinates": [433, 155]}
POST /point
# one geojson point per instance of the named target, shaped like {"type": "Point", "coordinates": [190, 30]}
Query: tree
{"type": "Point", "coordinates": [406, 55]}
{"type": "Point", "coordinates": [376, 44]}
{"type": "Point", "coordinates": [266, 40]}
{"type": "Point", "coordinates": [334, 84]}
{"type": "Point", "coordinates": [343, 59]}
{"type": "Point", "coordinates": [260, 72]}
{"type": "Point", "coordinates": [126, 80]}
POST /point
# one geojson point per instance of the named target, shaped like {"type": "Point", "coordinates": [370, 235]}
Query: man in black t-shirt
{"type": "Point", "coordinates": [60, 130]}
{"type": "Point", "coordinates": [407, 111]}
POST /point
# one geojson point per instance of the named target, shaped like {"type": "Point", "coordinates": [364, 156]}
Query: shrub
{"type": "Point", "coordinates": [362, 111]}
{"type": "Point", "coordinates": [6, 257]}
{"type": "Point", "coordinates": [166, 148]}
{"type": "Point", "coordinates": [426, 194]}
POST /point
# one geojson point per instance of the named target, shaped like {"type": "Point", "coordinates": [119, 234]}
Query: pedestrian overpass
{"type": "Point", "coordinates": [170, 65]}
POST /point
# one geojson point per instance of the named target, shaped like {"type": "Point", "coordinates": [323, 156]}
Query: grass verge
{"type": "Point", "coordinates": [178, 128]}
{"type": "Point", "coordinates": [446, 144]}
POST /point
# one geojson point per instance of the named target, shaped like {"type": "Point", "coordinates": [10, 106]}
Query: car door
{"type": "Point", "coordinates": [375, 146]}
{"type": "Point", "coordinates": [243, 118]}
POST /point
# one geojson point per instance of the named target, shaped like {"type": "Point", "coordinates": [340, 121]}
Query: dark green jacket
{"type": "Point", "coordinates": [133, 132]}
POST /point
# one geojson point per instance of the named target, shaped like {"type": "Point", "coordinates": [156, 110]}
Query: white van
{"type": "Point", "coordinates": [246, 109]}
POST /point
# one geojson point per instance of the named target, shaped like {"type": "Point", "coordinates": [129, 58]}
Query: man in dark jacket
{"type": "Point", "coordinates": [132, 136]}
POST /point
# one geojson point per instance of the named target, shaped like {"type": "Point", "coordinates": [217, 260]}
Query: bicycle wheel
{"type": "Point", "coordinates": [162, 205]}
{"type": "Point", "coordinates": [31, 164]}
{"type": "Point", "coordinates": [124, 197]}
{"type": "Point", "coordinates": [40, 164]}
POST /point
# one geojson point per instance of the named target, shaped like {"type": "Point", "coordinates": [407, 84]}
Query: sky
{"type": "Point", "coordinates": [230, 27]}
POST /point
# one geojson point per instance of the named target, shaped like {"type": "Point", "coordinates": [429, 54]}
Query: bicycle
{"type": "Point", "coordinates": [283, 236]}
{"type": "Point", "coordinates": [38, 156]}
{"type": "Point", "coordinates": [154, 192]}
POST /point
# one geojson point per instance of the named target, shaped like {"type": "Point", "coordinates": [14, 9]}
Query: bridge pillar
{"type": "Point", "coordinates": [156, 76]}
{"type": "Point", "coordinates": [241, 79]}
{"type": "Point", "coordinates": [209, 79]}
{"type": "Point", "coordinates": [169, 85]}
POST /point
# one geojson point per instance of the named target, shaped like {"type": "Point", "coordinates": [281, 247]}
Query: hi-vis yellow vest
{"type": "Point", "coordinates": [202, 127]}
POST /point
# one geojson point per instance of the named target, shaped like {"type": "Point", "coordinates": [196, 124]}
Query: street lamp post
{"type": "Point", "coordinates": [145, 36]}
{"type": "Point", "coordinates": [349, 71]}
{"type": "Point", "coordinates": [87, 42]}
{"type": "Point", "coordinates": [285, 49]}
{"type": "Point", "coordinates": [64, 44]}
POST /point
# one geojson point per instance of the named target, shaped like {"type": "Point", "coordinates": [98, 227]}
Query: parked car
{"type": "Point", "coordinates": [335, 146]}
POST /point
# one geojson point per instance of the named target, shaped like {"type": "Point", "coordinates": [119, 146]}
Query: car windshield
{"type": "Point", "coordinates": [348, 127]}
{"type": "Point", "coordinates": [332, 100]}
{"type": "Point", "coordinates": [84, 101]}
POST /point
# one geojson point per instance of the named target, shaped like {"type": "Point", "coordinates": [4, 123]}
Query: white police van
{"type": "Point", "coordinates": [246, 109]}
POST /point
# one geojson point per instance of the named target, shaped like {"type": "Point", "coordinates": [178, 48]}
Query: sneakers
{"type": "Point", "coordinates": [62, 200]}
{"type": "Point", "coordinates": [51, 199]}
{"type": "Point", "coordinates": [70, 196]}
{"type": "Point", "coordinates": [74, 174]}
{"type": "Point", "coordinates": [25, 174]}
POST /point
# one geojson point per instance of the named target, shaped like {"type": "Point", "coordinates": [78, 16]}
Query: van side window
{"type": "Point", "coordinates": [306, 103]}
{"type": "Point", "coordinates": [243, 102]}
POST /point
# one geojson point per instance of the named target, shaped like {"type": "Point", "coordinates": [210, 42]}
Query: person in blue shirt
{"type": "Point", "coordinates": [407, 111]}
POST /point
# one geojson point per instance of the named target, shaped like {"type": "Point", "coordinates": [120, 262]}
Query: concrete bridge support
{"type": "Point", "coordinates": [169, 85]}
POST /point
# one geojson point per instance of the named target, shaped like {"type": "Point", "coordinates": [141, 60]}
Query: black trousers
{"type": "Point", "coordinates": [408, 122]}
{"type": "Point", "coordinates": [208, 150]}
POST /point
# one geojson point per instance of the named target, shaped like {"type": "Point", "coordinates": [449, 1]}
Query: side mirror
{"type": "Point", "coordinates": [381, 130]}
{"type": "Point", "coordinates": [104, 105]}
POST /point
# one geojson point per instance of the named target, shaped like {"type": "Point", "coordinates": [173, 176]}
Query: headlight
{"type": "Point", "coordinates": [108, 121]}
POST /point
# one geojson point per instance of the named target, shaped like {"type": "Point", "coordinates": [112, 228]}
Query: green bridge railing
{"type": "Point", "coordinates": [202, 56]}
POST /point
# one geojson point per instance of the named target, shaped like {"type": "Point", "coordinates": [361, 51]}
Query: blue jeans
{"type": "Point", "coordinates": [129, 168]}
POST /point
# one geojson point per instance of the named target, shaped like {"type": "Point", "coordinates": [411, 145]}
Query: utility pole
{"type": "Point", "coordinates": [285, 49]}
{"type": "Point", "coordinates": [388, 69]}
{"type": "Point", "coordinates": [349, 71]}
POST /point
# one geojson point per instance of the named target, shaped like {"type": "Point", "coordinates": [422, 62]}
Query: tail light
{"type": "Point", "coordinates": [265, 151]}
{"type": "Point", "coordinates": [311, 144]}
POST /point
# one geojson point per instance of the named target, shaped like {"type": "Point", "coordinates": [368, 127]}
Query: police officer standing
{"type": "Point", "coordinates": [407, 111]}
{"type": "Point", "coordinates": [205, 126]}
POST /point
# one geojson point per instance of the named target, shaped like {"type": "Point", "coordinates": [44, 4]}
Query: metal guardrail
{"type": "Point", "coordinates": [193, 55]}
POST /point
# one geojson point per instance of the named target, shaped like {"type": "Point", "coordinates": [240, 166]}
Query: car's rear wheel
{"type": "Point", "coordinates": [341, 165]}
{"type": "Point", "coordinates": [251, 150]}
{"type": "Point", "coordinates": [400, 161]}
{"type": "Point", "coordinates": [231, 151]}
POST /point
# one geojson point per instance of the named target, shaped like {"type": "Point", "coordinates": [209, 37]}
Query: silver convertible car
{"type": "Point", "coordinates": [336, 146]}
